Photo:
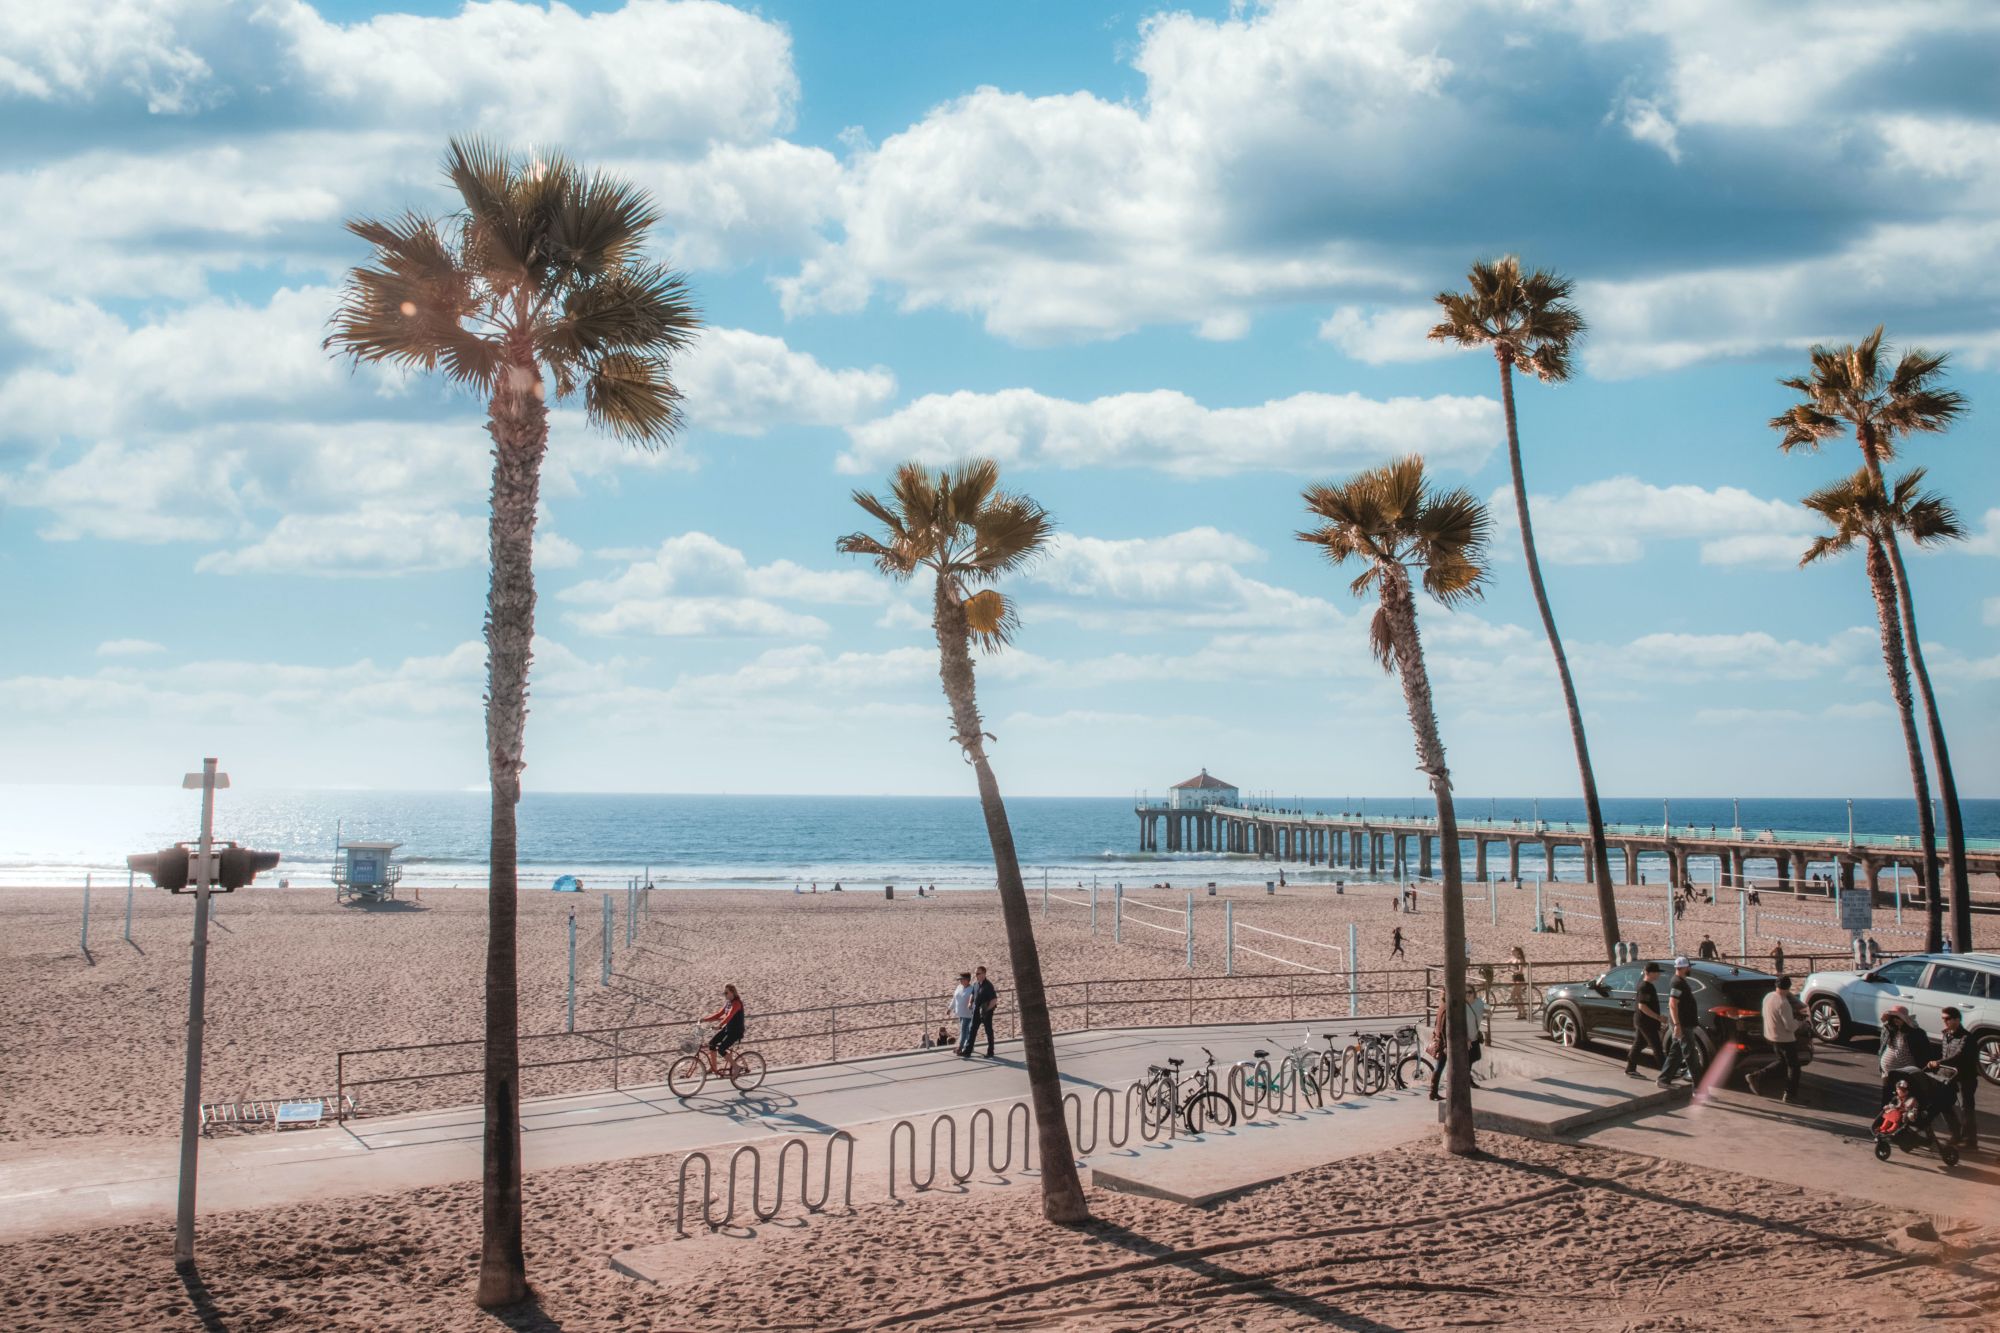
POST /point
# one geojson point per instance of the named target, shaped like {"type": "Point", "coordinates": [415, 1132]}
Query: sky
{"type": "Point", "coordinates": [1167, 266]}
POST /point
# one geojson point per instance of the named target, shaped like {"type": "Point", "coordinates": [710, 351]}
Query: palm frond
{"type": "Point", "coordinates": [1009, 532]}
{"type": "Point", "coordinates": [497, 238]}
{"type": "Point", "coordinates": [633, 396]}
{"type": "Point", "coordinates": [892, 558]}
{"type": "Point", "coordinates": [598, 223]}
{"type": "Point", "coordinates": [990, 619]}
{"type": "Point", "coordinates": [1382, 638]}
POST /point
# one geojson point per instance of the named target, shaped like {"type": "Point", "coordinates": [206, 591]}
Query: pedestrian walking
{"type": "Point", "coordinates": [986, 999]}
{"type": "Point", "coordinates": [1683, 1056]}
{"type": "Point", "coordinates": [1783, 1026]}
{"type": "Point", "coordinates": [1905, 1049]}
{"type": "Point", "coordinates": [1396, 942]}
{"type": "Point", "coordinates": [1440, 1049]}
{"type": "Point", "coordinates": [964, 1006]}
{"type": "Point", "coordinates": [1646, 1022]}
{"type": "Point", "coordinates": [1560, 928]}
{"type": "Point", "coordinates": [1517, 981]}
{"type": "Point", "coordinates": [1957, 1050]}
{"type": "Point", "coordinates": [1778, 959]}
{"type": "Point", "coordinates": [1707, 951]}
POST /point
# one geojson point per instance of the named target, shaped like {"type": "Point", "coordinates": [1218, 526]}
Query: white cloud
{"type": "Point", "coordinates": [1610, 522]}
{"type": "Point", "coordinates": [696, 585]}
{"type": "Point", "coordinates": [1645, 122]}
{"type": "Point", "coordinates": [1187, 580]}
{"type": "Point", "coordinates": [1748, 654]}
{"type": "Point", "coordinates": [362, 542]}
{"type": "Point", "coordinates": [1168, 430]}
{"type": "Point", "coordinates": [129, 648]}
{"type": "Point", "coordinates": [1380, 335]}
{"type": "Point", "coordinates": [148, 48]}
{"type": "Point", "coordinates": [1990, 611]}
{"type": "Point", "coordinates": [743, 383]}
{"type": "Point", "coordinates": [175, 491]}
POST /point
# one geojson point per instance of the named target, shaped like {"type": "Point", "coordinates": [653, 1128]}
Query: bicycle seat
{"type": "Point", "coordinates": [1406, 1034]}
{"type": "Point", "coordinates": [1260, 1054]}
{"type": "Point", "coordinates": [1175, 1063]}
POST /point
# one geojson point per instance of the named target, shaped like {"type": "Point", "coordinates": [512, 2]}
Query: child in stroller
{"type": "Point", "coordinates": [1906, 1121]}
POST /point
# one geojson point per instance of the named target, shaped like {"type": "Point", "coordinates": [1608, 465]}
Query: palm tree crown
{"type": "Point", "coordinates": [1858, 511]}
{"type": "Point", "coordinates": [1388, 515]}
{"type": "Point", "coordinates": [540, 270]}
{"type": "Point", "coordinates": [959, 524]}
{"type": "Point", "coordinates": [1526, 318]}
{"type": "Point", "coordinates": [1846, 390]}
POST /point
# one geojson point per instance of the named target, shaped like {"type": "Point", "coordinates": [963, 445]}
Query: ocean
{"type": "Point", "coordinates": [57, 835]}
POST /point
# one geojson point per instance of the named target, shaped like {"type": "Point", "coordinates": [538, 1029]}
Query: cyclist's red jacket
{"type": "Point", "coordinates": [730, 1015]}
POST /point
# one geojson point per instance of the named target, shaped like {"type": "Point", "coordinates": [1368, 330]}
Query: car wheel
{"type": "Point", "coordinates": [1565, 1027]}
{"type": "Point", "coordinates": [1828, 1019]}
{"type": "Point", "coordinates": [1989, 1057]}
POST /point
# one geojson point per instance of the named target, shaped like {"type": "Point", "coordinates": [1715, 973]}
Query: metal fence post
{"type": "Point", "coordinates": [1671, 891]}
{"type": "Point", "coordinates": [1118, 916]}
{"type": "Point", "coordinates": [1229, 938]}
{"type": "Point", "coordinates": [631, 913]}
{"type": "Point", "coordinates": [128, 907]}
{"type": "Point", "coordinates": [608, 910]}
{"type": "Point", "coordinates": [1742, 923]}
{"type": "Point", "coordinates": [833, 1029]}
{"type": "Point", "coordinates": [1190, 934]}
{"type": "Point", "coordinates": [1093, 908]}
{"type": "Point", "coordinates": [1353, 975]}
{"type": "Point", "coordinates": [1492, 903]}
{"type": "Point", "coordinates": [572, 971]}
{"type": "Point", "coordinates": [1045, 895]}
{"type": "Point", "coordinates": [1538, 912]}
{"type": "Point", "coordinates": [86, 914]}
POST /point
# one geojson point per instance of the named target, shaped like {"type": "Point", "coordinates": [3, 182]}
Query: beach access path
{"type": "Point", "coordinates": [80, 1183]}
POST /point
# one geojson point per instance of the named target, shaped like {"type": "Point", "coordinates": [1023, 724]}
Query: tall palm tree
{"type": "Point", "coordinates": [1859, 513]}
{"type": "Point", "coordinates": [1528, 321]}
{"type": "Point", "coordinates": [1846, 391]}
{"type": "Point", "coordinates": [1390, 521]}
{"type": "Point", "coordinates": [536, 283]}
{"type": "Point", "coordinates": [966, 531]}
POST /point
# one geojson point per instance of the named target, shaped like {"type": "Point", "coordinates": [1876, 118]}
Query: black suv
{"type": "Point", "coordinates": [1728, 1007]}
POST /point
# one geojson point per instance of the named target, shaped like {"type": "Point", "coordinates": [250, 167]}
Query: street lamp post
{"type": "Point", "coordinates": [204, 879]}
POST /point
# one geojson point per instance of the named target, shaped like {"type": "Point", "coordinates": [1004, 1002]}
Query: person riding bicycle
{"type": "Point", "coordinates": [730, 1016]}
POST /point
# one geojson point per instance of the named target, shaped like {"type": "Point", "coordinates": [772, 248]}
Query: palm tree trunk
{"type": "Point", "coordinates": [519, 424]}
{"type": "Point", "coordinates": [1598, 851]}
{"type": "Point", "coordinates": [1882, 585]}
{"type": "Point", "coordinates": [1954, 824]}
{"type": "Point", "coordinates": [1400, 607]}
{"type": "Point", "coordinates": [1062, 1190]}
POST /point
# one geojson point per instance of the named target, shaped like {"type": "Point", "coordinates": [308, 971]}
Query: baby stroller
{"type": "Point", "coordinates": [1906, 1121]}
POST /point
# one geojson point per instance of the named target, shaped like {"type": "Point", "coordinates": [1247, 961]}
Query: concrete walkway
{"type": "Point", "coordinates": [90, 1182]}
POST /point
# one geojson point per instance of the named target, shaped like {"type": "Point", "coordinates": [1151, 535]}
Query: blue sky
{"type": "Point", "coordinates": [1168, 265]}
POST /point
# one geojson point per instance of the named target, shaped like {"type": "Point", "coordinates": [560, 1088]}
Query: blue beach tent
{"type": "Point", "coordinates": [568, 884]}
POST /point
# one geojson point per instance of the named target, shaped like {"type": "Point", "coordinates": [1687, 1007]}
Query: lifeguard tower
{"type": "Point", "coordinates": [363, 870]}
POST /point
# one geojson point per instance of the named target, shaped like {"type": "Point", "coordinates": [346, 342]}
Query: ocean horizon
{"type": "Point", "coordinates": [59, 835]}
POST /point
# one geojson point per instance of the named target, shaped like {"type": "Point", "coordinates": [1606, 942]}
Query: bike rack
{"type": "Point", "coordinates": [757, 1211]}
{"type": "Point", "coordinates": [996, 1139]}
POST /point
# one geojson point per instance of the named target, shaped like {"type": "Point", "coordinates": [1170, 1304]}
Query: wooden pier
{"type": "Point", "coordinates": [1403, 846]}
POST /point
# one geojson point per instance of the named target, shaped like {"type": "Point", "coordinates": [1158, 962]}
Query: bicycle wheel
{"type": "Point", "coordinates": [686, 1076]}
{"type": "Point", "coordinates": [1309, 1086]}
{"type": "Point", "coordinates": [1206, 1109]}
{"type": "Point", "coordinates": [1413, 1070]}
{"type": "Point", "coordinates": [1371, 1074]}
{"type": "Point", "coordinates": [1156, 1109]}
{"type": "Point", "coordinates": [748, 1071]}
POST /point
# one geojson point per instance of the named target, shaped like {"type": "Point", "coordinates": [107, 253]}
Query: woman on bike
{"type": "Point", "coordinates": [730, 1016]}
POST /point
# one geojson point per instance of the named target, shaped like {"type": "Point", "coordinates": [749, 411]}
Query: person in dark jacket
{"type": "Point", "coordinates": [984, 1002]}
{"type": "Point", "coordinates": [1646, 1022]}
{"type": "Point", "coordinates": [1958, 1050]}
{"type": "Point", "coordinates": [1904, 1047]}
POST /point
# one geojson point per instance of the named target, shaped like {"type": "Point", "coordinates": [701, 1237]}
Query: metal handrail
{"type": "Point", "coordinates": [1093, 1002]}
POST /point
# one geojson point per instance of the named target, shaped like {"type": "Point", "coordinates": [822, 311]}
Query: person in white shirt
{"type": "Point", "coordinates": [1782, 1025]}
{"type": "Point", "coordinates": [965, 1008]}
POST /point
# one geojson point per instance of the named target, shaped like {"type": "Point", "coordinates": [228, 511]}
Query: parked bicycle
{"type": "Point", "coordinates": [1372, 1061]}
{"type": "Point", "coordinates": [1298, 1068]}
{"type": "Point", "coordinates": [689, 1074]}
{"type": "Point", "coordinates": [1192, 1101]}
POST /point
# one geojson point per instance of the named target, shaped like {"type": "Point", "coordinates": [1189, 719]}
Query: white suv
{"type": "Point", "coordinates": [1845, 1004]}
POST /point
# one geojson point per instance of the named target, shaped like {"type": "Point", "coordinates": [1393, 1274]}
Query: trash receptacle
{"type": "Point", "coordinates": [888, 890]}
{"type": "Point", "coordinates": [1271, 887]}
{"type": "Point", "coordinates": [1211, 888]}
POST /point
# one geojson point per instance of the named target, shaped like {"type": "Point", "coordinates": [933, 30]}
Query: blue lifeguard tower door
{"type": "Point", "coordinates": [364, 870]}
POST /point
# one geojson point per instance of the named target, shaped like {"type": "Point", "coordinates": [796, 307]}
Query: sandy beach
{"type": "Point", "coordinates": [93, 1045]}
{"type": "Point", "coordinates": [1531, 1235]}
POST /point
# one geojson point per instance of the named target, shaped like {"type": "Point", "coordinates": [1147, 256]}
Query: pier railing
{"type": "Point", "coordinates": [426, 1075]}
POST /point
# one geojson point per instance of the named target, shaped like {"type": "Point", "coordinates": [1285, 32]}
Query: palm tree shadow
{"type": "Point", "coordinates": [527, 1317]}
{"type": "Point", "coordinates": [1297, 1303]}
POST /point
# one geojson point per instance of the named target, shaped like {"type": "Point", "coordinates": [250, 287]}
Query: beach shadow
{"type": "Point", "coordinates": [135, 948]}
{"type": "Point", "coordinates": [527, 1317]}
{"type": "Point", "coordinates": [1266, 1290]}
{"type": "Point", "coordinates": [384, 907]}
{"type": "Point", "coordinates": [204, 1303]}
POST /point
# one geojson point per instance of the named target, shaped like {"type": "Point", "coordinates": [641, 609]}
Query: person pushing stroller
{"type": "Point", "coordinates": [1912, 1097]}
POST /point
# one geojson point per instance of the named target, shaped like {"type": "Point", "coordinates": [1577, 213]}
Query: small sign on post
{"type": "Point", "coordinates": [1857, 911]}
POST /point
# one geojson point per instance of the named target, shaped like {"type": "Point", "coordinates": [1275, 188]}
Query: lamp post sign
{"type": "Point", "coordinates": [205, 870]}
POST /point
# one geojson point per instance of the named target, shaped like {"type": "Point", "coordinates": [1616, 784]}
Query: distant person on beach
{"type": "Point", "coordinates": [1517, 982]}
{"type": "Point", "coordinates": [985, 1000]}
{"type": "Point", "coordinates": [943, 1038]}
{"type": "Point", "coordinates": [731, 1019]}
{"type": "Point", "coordinates": [964, 1005]}
{"type": "Point", "coordinates": [1281, 877]}
{"type": "Point", "coordinates": [1777, 959]}
{"type": "Point", "coordinates": [1646, 1022]}
{"type": "Point", "coordinates": [1708, 953]}
{"type": "Point", "coordinates": [836, 886]}
{"type": "Point", "coordinates": [1754, 899]}
{"type": "Point", "coordinates": [1560, 928]}
{"type": "Point", "coordinates": [1396, 942]}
